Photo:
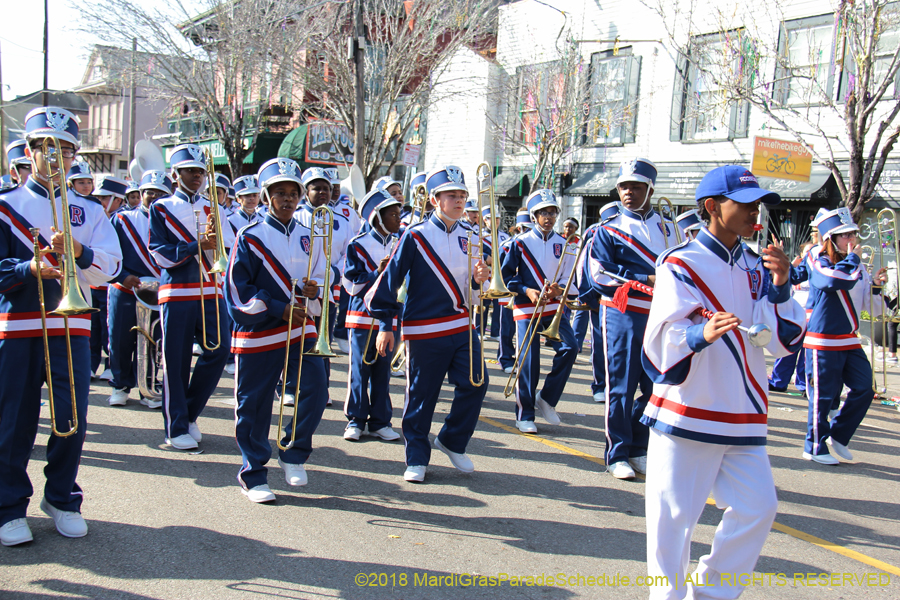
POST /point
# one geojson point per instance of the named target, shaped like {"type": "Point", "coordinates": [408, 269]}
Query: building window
{"type": "Point", "coordinates": [804, 75]}
{"type": "Point", "coordinates": [539, 103]}
{"type": "Point", "coordinates": [701, 110]}
{"type": "Point", "coordinates": [885, 47]}
{"type": "Point", "coordinates": [611, 114]}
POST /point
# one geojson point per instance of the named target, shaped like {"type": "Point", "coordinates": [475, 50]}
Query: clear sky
{"type": "Point", "coordinates": [21, 40]}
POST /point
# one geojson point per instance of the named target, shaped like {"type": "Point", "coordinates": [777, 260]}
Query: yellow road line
{"type": "Point", "coordinates": [796, 533]}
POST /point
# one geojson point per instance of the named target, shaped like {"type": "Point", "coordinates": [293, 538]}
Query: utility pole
{"type": "Point", "coordinates": [132, 108]}
{"type": "Point", "coordinates": [359, 46]}
{"type": "Point", "coordinates": [4, 168]}
{"type": "Point", "coordinates": [45, 96]}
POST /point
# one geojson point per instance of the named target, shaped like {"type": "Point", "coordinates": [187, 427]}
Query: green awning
{"type": "Point", "coordinates": [294, 144]}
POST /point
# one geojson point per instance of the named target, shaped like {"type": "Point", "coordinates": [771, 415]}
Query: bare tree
{"type": "Point", "coordinates": [228, 63]}
{"type": "Point", "coordinates": [829, 82]}
{"type": "Point", "coordinates": [555, 107]}
{"type": "Point", "coordinates": [407, 47]}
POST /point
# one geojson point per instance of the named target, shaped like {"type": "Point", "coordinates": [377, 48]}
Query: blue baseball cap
{"type": "Point", "coordinates": [735, 183]}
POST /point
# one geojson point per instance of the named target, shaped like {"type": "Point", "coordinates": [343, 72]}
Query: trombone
{"type": "Point", "coordinates": [72, 301]}
{"type": "Point", "coordinates": [497, 289]}
{"type": "Point", "coordinates": [372, 325]}
{"type": "Point", "coordinates": [322, 220]}
{"type": "Point", "coordinates": [668, 216]}
{"type": "Point", "coordinates": [287, 355]}
{"type": "Point", "coordinates": [552, 330]}
{"type": "Point", "coordinates": [220, 263]}
{"type": "Point", "coordinates": [420, 202]}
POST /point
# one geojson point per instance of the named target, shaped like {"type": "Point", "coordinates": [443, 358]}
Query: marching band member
{"type": "Point", "coordinates": [178, 252]}
{"type": "Point", "coordinates": [267, 255]}
{"type": "Point", "coordinates": [368, 400]}
{"type": "Point", "coordinates": [689, 223]}
{"type": "Point", "coordinates": [436, 326]}
{"type": "Point", "coordinates": [707, 415]}
{"type": "Point", "coordinates": [407, 215]}
{"type": "Point", "coordinates": [784, 368]}
{"type": "Point", "coordinates": [489, 239]}
{"type": "Point", "coordinates": [133, 195]}
{"type": "Point", "coordinates": [838, 288]}
{"type": "Point", "coordinates": [97, 258]}
{"type": "Point", "coordinates": [19, 163]}
{"type": "Point", "coordinates": [471, 217]}
{"type": "Point", "coordinates": [80, 180]}
{"type": "Point", "coordinates": [506, 349]}
{"type": "Point", "coordinates": [570, 226]}
{"type": "Point", "coordinates": [318, 193]}
{"type": "Point", "coordinates": [246, 190]}
{"type": "Point", "coordinates": [592, 317]}
{"type": "Point", "coordinates": [391, 186]}
{"type": "Point", "coordinates": [111, 195]}
{"type": "Point", "coordinates": [341, 203]}
{"type": "Point", "coordinates": [133, 229]}
{"type": "Point", "coordinates": [527, 270]}
{"type": "Point", "coordinates": [627, 245]}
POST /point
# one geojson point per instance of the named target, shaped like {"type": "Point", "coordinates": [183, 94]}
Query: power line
{"type": "Point", "coordinates": [20, 46]}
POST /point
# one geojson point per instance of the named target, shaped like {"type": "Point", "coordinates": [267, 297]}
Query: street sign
{"type": "Point", "coordinates": [411, 154]}
{"type": "Point", "coordinates": [780, 159]}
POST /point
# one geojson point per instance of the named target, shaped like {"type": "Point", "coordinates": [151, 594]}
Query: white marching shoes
{"type": "Point", "coordinates": [822, 459]}
{"type": "Point", "coordinates": [461, 461]}
{"type": "Point", "coordinates": [294, 475]}
{"type": "Point", "coordinates": [415, 474]}
{"type": "Point", "coordinates": [182, 442]}
{"type": "Point", "coordinates": [68, 524]}
{"type": "Point", "coordinates": [118, 398]}
{"type": "Point", "coordinates": [840, 449]}
{"type": "Point", "coordinates": [547, 411]}
{"type": "Point", "coordinates": [259, 494]}
{"type": "Point", "coordinates": [385, 433]}
{"type": "Point", "coordinates": [194, 432]}
{"type": "Point", "coordinates": [15, 532]}
{"type": "Point", "coordinates": [352, 433]}
{"type": "Point", "coordinates": [639, 464]}
{"type": "Point", "coordinates": [343, 345]}
{"type": "Point", "coordinates": [621, 470]}
{"type": "Point", "coordinates": [526, 426]}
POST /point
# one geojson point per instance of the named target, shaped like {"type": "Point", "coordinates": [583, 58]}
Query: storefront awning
{"type": "Point", "coordinates": [294, 144]}
{"type": "Point", "coordinates": [511, 182]}
{"type": "Point", "coordinates": [595, 183]}
{"type": "Point", "coordinates": [819, 187]}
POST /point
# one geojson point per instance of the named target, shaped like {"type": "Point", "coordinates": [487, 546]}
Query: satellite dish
{"type": "Point", "coordinates": [354, 185]}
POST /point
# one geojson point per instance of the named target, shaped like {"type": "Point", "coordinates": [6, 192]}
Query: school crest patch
{"type": "Point", "coordinates": [755, 280]}
{"type": "Point", "coordinates": [464, 244]}
{"type": "Point", "coordinates": [557, 250]}
{"type": "Point", "coordinates": [304, 243]}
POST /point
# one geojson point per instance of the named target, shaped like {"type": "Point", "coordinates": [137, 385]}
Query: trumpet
{"type": "Point", "coordinates": [148, 352]}
{"type": "Point", "coordinates": [287, 356]}
{"type": "Point", "coordinates": [552, 331]}
{"type": "Point", "coordinates": [323, 220]}
{"type": "Point", "coordinates": [669, 216]}
{"type": "Point", "coordinates": [72, 302]}
{"type": "Point", "coordinates": [372, 326]}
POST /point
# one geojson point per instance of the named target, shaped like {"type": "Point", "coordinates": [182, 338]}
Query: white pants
{"type": "Point", "coordinates": [681, 473]}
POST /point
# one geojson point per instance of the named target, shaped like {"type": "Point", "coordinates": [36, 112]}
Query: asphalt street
{"type": "Point", "coordinates": [166, 524]}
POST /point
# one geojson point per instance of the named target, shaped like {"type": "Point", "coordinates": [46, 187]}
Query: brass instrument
{"type": "Point", "coordinates": [497, 289]}
{"type": "Point", "coordinates": [204, 341]}
{"type": "Point", "coordinates": [668, 216]}
{"type": "Point", "coordinates": [887, 224]}
{"type": "Point", "coordinates": [287, 355]}
{"type": "Point", "coordinates": [868, 260]}
{"type": "Point", "coordinates": [473, 254]}
{"type": "Point", "coordinates": [323, 220]}
{"type": "Point", "coordinates": [552, 331]}
{"type": "Point", "coordinates": [420, 201]}
{"type": "Point", "coordinates": [72, 302]}
{"type": "Point", "coordinates": [149, 354]}
{"type": "Point", "coordinates": [373, 327]}
{"type": "Point", "coordinates": [220, 263]}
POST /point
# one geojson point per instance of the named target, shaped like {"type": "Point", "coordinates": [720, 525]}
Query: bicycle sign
{"type": "Point", "coordinates": [781, 159]}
